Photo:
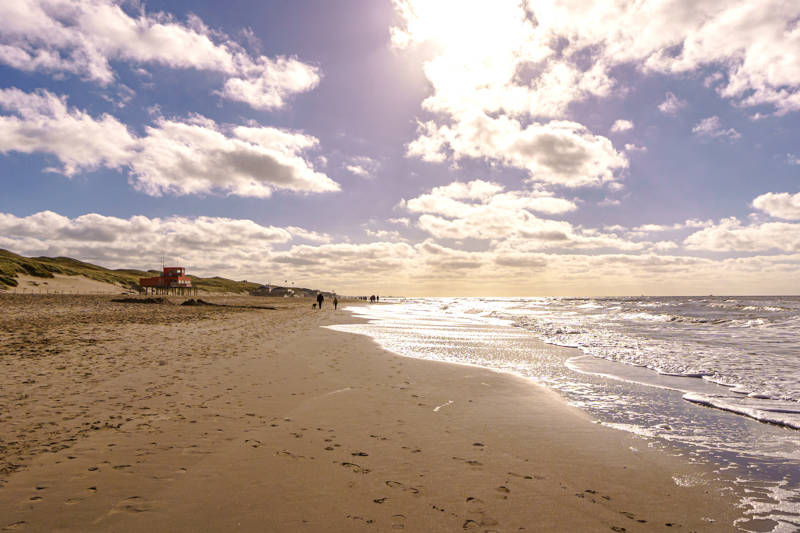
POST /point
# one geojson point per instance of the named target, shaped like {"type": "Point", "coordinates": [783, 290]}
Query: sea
{"type": "Point", "coordinates": [716, 379]}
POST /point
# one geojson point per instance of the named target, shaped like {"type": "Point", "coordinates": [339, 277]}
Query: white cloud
{"type": "Point", "coordinates": [558, 152]}
{"type": "Point", "coordinates": [198, 156]}
{"type": "Point", "coordinates": [243, 249]}
{"type": "Point", "coordinates": [621, 125]}
{"type": "Point", "coordinates": [363, 166]}
{"type": "Point", "coordinates": [308, 235]}
{"type": "Point", "coordinates": [792, 159]}
{"type": "Point", "coordinates": [712, 127]}
{"type": "Point", "coordinates": [630, 147]}
{"type": "Point", "coordinates": [202, 243]}
{"type": "Point", "coordinates": [266, 84]}
{"type": "Point", "coordinates": [655, 228]}
{"type": "Point", "coordinates": [730, 235]}
{"type": "Point", "coordinates": [403, 221]}
{"type": "Point", "coordinates": [191, 156]}
{"type": "Point", "coordinates": [534, 59]}
{"type": "Point", "coordinates": [485, 211]}
{"type": "Point", "coordinates": [349, 263]}
{"type": "Point", "coordinates": [671, 104]}
{"type": "Point", "coordinates": [779, 205]}
{"type": "Point", "coordinates": [460, 199]}
{"type": "Point", "coordinates": [41, 122]}
{"type": "Point", "coordinates": [384, 235]}
{"type": "Point", "coordinates": [85, 37]}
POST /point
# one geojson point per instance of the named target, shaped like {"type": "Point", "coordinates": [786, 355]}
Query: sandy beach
{"type": "Point", "coordinates": [161, 417]}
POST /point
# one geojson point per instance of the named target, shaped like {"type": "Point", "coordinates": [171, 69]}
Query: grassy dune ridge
{"type": "Point", "coordinates": [12, 264]}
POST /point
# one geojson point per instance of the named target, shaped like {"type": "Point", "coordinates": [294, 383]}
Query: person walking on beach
{"type": "Point", "coordinates": [335, 302]}
{"type": "Point", "coordinates": [319, 300]}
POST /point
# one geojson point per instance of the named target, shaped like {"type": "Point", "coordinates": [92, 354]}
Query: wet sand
{"type": "Point", "coordinates": [126, 417]}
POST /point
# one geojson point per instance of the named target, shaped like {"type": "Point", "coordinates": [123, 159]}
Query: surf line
{"type": "Point", "coordinates": [436, 409]}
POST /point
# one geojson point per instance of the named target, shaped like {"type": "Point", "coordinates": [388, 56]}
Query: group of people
{"type": "Point", "coordinates": [321, 299]}
{"type": "Point", "coordinates": [372, 298]}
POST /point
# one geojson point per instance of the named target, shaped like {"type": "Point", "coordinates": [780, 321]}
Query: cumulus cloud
{"type": "Point", "coordinates": [631, 147]}
{"type": "Point", "coordinates": [491, 97]}
{"type": "Point", "coordinates": [349, 261]}
{"type": "Point", "coordinates": [558, 152]}
{"type": "Point", "coordinates": [189, 156]}
{"type": "Point", "coordinates": [486, 211]}
{"type": "Point", "coordinates": [384, 235]}
{"type": "Point", "coordinates": [712, 127]}
{"type": "Point", "coordinates": [198, 156]}
{"type": "Point", "coordinates": [42, 122]}
{"type": "Point", "coordinates": [85, 37]}
{"type": "Point", "coordinates": [779, 205]}
{"type": "Point", "coordinates": [655, 228]}
{"type": "Point", "coordinates": [267, 83]}
{"type": "Point", "coordinates": [243, 249]}
{"type": "Point", "coordinates": [671, 104]}
{"type": "Point", "coordinates": [621, 125]}
{"type": "Point", "coordinates": [730, 235]}
{"type": "Point", "coordinates": [307, 235]}
{"type": "Point", "coordinates": [138, 242]}
{"type": "Point", "coordinates": [363, 166]}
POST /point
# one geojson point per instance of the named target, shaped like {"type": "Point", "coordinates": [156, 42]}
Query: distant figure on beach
{"type": "Point", "coordinates": [319, 300]}
{"type": "Point", "coordinates": [377, 298]}
{"type": "Point", "coordinates": [372, 299]}
{"type": "Point", "coordinates": [335, 303]}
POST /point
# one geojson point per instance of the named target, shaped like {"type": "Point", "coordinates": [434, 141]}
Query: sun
{"type": "Point", "coordinates": [474, 27]}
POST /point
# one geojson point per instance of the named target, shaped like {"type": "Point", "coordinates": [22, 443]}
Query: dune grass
{"type": "Point", "coordinates": [12, 264]}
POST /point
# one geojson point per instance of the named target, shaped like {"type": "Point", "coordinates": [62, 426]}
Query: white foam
{"type": "Point", "coordinates": [783, 414]}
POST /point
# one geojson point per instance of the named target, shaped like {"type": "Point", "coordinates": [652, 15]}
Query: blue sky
{"type": "Point", "coordinates": [409, 147]}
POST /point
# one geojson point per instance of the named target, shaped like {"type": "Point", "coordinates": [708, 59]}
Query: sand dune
{"type": "Point", "coordinates": [119, 417]}
{"type": "Point", "coordinates": [63, 284]}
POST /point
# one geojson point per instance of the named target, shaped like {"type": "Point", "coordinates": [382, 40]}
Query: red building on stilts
{"type": "Point", "coordinates": [173, 280]}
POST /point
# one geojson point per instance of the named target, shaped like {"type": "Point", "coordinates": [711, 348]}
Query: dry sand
{"type": "Point", "coordinates": [125, 417]}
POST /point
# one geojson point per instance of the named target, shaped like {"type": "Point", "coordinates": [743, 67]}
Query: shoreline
{"type": "Point", "coordinates": [264, 420]}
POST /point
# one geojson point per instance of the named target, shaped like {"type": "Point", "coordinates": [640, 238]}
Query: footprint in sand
{"type": "Point", "coordinates": [356, 468]}
{"type": "Point", "coordinates": [397, 485]}
{"type": "Point", "coordinates": [15, 525]}
{"type": "Point", "coordinates": [629, 515]}
{"type": "Point", "coordinates": [524, 476]}
{"type": "Point", "coordinates": [398, 521]}
{"type": "Point", "coordinates": [134, 504]}
{"type": "Point", "coordinates": [360, 518]}
{"type": "Point", "coordinates": [286, 453]}
{"type": "Point", "coordinates": [474, 502]}
{"type": "Point", "coordinates": [471, 462]}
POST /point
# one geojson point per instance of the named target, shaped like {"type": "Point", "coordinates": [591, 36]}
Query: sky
{"type": "Point", "coordinates": [410, 147]}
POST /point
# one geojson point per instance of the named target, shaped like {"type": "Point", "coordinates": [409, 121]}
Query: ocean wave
{"type": "Point", "coordinates": [784, 414]}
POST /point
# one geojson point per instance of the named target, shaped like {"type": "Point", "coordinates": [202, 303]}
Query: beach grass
{"type": "Point", "coordinates": [12, 264]}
